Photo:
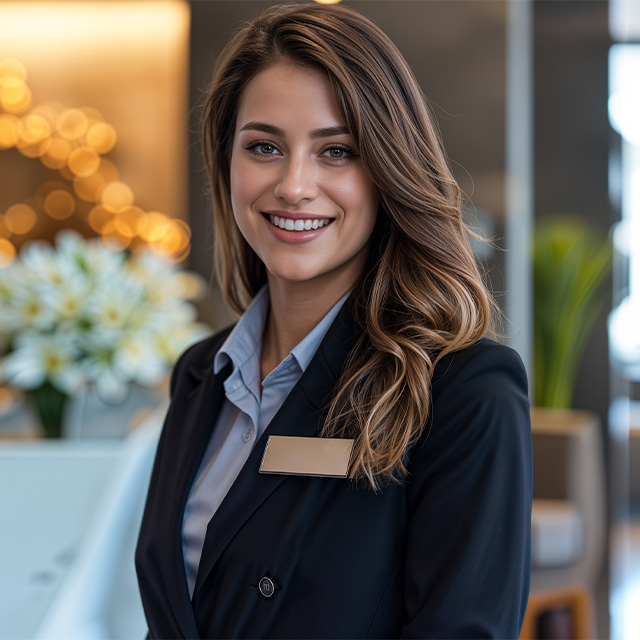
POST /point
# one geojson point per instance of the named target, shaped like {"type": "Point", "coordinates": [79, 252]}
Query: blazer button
{"type": "Point", "coordinates": [266, 587]}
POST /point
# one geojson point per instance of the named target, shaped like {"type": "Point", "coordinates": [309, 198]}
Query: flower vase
{"type": "Point", "coordinates": [88, 416]}
{"type": "Point", "coordinates": [49, 405]}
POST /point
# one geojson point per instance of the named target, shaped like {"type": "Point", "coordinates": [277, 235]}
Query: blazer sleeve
{"type": "Point", "coordinates": [469, 493]}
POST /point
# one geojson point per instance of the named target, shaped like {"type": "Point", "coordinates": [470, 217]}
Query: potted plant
{"type": "Point", "coordinates": [571, 261]}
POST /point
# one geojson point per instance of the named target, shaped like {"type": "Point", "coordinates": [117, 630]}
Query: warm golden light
{"type": "Point", "coordinates": [102, 137]}
{"type": "Point", "coordinates": [108, 171]}
{"type": "Point", "coordinates": [151, 227]}
{"type": "Point", "coordinates": [71, 138]}
{"type": "Point", "coordinates": [328, 1]}
{"type": "Point", "coordinates": [116, 227]}
{"type": "Point", "coordinates": [57, 153]}
{"type": "Point", "coordinates": [72, 123]}
{"type": "Point", "coordinates": [7, 253]}
{"type": "Point", "coordinates": [46, 188]}
{"type": "Point", "coordinates": [132, 216]}
{"type": "Point", "coordinates": [93, 114]}
{"type": "Point", "coordinates": [9, 131]}
{"type": "Point", "coordinates": [12, 67]}
{"type": "Point", "coordinates": [20, 218]}
{"type": "Point", "coordinates": [49, 111]}
{"type": "Point", "coordinates": [89, 188]}
{"type": "Point", "coordinates": [34, 129]}
{"type": "Point", "coordinates": [15, 95]}
{"type": "Point", "coordinates": [112, 234]}
{"type": "Point", "coordinates": [116, 196]}
{"type": "Point", "coordinates": [59, 204]}
{"type": "Point", "coordinates": [83, 161]}
{"type": "Point", "coordinates": [98, 217]}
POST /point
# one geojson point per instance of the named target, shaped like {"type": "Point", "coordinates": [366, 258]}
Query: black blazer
{"type": "Point", "coordinates": [446, 555]}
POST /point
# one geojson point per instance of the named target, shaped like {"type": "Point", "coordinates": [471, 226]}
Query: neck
{"type": "Point", "coordinates": [295, 309]}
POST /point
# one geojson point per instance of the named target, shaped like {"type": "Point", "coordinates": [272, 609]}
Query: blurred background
{"type": "Point", "coordinates": [106, 276]}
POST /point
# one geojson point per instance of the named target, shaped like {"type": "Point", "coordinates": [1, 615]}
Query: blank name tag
{"type": "Point", "coordinates": [292, 455]}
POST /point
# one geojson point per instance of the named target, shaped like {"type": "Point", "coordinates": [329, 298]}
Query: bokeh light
{"type": "Point", "coordinates": [108, 170]}
{"type": "Point", "coordinates": [98, 217]}
{"type": "Point", "coordinates": [15, 95]}
{"type": "Point", "coordinates": [57, 154]}
{"type": "Point", "coordinates": [101, 137]}
{"type": "Point", "coordinates": [59, 204]}
{"type": "Point", "coordinates": [73, 142]}
{"type": "Point", "coordinates": [84, 161]}
{"type": "Point", "coordinates": [9, 131]}
{"type": "Point", "coordinates": [12, 67]}
{"type": "Point", "coordinates": [116, 196]}
{"type": "Point", "coordinates": [72, 123]}
{"type": "Point", "coordinates": [89, 188]}
{"type": "Point", "coordinates": [7, 253]}
{"type": "Point", "coordinates": [20, 218]}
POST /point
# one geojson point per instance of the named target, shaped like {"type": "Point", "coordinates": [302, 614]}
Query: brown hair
{"type": "Point", "coordinates": [422, 295]}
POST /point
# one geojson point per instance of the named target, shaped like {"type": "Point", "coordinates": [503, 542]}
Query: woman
{"type": "Point", "coordinates": [340, 241]}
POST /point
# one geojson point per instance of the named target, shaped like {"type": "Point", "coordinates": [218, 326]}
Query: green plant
{"type": "Point", "coordinates": [571, 260]}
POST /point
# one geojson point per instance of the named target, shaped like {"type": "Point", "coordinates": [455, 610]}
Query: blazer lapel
{"type": "Point", "coordinates": [203, 405]}
{"type": "Point", "coordinates": [302, 414]}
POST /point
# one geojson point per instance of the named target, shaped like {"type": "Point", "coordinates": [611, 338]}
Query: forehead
{"type": "Point", "coordinates": [289, 96]}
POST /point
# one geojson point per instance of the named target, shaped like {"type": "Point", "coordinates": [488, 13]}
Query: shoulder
{"type": "Point", "coordinates": [479, 399]}
{"type": "Point", "coordinates": [198, 358]}
{"type": "Point", "coordinates": [477, 369]}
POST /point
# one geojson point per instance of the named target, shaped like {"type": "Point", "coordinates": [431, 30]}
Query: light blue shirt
{"type": "Point", "coordinates": [244, 416]}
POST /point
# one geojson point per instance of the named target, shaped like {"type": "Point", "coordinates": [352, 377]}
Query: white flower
{"type": "Point", "coordinates": [29, 309]}
{"type": "Point", "coordinates": [69, 302]}
{"type": "Point", "coordinates": [99, 367]}
{"type": "Point", "coordinates": [84, 314]}
{"type": "Point", "coordinates": [113, 304]}
{"type": "Point", "coordinates": [39, 357]}
{"type": "Point", "coordinates": [91, 257]}
{"type": "Point", "coordinates": [137, 359]}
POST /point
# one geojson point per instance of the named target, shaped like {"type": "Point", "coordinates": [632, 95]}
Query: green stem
{"type": "Point", "coordinates": [49, 404]}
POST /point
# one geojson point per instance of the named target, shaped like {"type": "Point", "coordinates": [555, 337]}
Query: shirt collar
{"type": "Point", "coordinates": [245, 338]}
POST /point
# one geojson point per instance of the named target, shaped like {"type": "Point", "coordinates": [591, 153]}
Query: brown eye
{"type": "Point", "coordinates": [338, 153]}
{"type": "Point", "coordinates": [262, 149]}
{"type": "Point", "coordinates": [267, 149]}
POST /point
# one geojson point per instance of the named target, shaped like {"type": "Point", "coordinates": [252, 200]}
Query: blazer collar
{"type": "Point", "coordinates": [302, 414]}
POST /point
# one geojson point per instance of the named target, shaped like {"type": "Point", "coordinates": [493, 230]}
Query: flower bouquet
{"type": "Point", "coordinates": [86, 315]}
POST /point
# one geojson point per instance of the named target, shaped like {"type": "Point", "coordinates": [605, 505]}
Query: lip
{"type": "Point", "coordinates": [295, 237]}
{"type": "Point", "coordinates": [296, 215]}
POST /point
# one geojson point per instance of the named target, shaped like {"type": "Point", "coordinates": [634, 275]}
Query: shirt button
{"type": "Point", "coordinates": [266, 587]}
{"type": "Point", "coordinates": [246, 436]}
{"type": "Point", "coordinates": [236, 385]}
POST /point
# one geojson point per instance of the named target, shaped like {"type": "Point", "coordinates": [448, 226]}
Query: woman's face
{"type": "Point", "coordinates": [299, 191]}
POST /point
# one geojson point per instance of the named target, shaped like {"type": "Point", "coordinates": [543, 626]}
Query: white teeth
{"type": "Point", "coordinates": [298, 225]}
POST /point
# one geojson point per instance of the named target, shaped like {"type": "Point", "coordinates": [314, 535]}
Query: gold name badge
{"type": "Point", "coordinates": [292, 455]}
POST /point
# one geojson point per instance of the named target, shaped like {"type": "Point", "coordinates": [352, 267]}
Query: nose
{"type": "Point", "coordinates": [298, 180]}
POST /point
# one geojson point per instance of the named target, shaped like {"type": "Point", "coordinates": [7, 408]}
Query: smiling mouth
{"type": "Point", "coordinates": [298, 225]}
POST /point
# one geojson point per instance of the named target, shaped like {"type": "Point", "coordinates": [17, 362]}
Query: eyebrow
{"type": "Point", "coordinates": [324, 132]}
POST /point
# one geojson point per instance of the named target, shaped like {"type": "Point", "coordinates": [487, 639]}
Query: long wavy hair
{"type": "Point", "coordinates": [421, 296]}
